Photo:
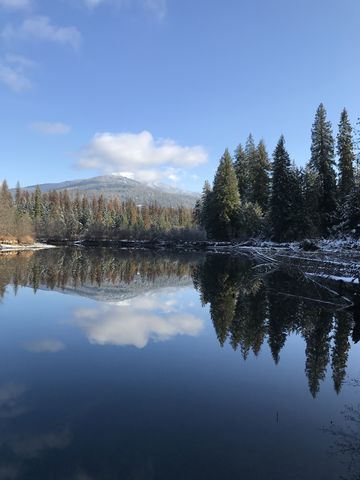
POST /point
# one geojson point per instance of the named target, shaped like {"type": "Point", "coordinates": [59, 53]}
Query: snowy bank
{"type": "Point", "coordinates": [5, 248]}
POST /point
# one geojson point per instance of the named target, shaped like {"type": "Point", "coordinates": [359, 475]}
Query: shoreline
{"type": "Point", "coordinates": [6, 248]}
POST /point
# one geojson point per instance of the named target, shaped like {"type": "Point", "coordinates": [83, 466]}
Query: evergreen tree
{"type": "Point", "coordinates": [225, 199]}
{"type": "Point", "coordinates": [260, 177]}
{"type": "Point", "coordinates": [340, 349]}
{"type": "Point", "coordinates": [281, 212]}
{"type": "Point", "coordinates": [7, 219]}
{"type": "Point", "coordinates": [18, 196]}
{"type": "Point", "coordinates": [299, 223]}
{"type": "Point", "coordinates": [350, 219]}
{"type": "Point", "coordinates": [5, 196]}
{"type": "Point", "coordinates": [345, 151]}
{"type": "Point", "coordinates": [311, 200]}
{"type": "Point", "coordinates": [322, 164]}
{"type": "Point", "coordinates": [317, 336]}
{"type": "Point", "coordinates": [38, 205]}
{"type": "Point", "coordinates": [251, 159]}
{"type": "Point", "coordinates": [357, 152]}
{"type": "Point", "coordinates": [205, 216]}
{"type": "Point", "coordinates": [242, 171]}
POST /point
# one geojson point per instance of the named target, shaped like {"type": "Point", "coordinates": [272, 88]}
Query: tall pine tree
{"type": "Point", "coordinates": [251, 157]}
{"type": "Point", "coordinates": [345, 151]}
{"type": "Point", "coordinates": [322, 165]}
{"type": "Point", "coordinates": [281, 205]}
{"type": "Point", "coordinates": [241, 170]}
{"type": "Point", "coordinates": [225, 200]}
{"type": "Point", "coordinates": [260, 177]}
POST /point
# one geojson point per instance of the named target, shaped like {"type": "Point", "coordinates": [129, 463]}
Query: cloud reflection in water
{"type": "Point", "coordinates": [135, 321]}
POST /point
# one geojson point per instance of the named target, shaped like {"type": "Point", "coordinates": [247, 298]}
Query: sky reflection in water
{"type": "Point", "coordinates": [119, 368]}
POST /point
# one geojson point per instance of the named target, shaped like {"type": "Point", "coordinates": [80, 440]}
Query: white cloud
{"type": "Point", "coordinates": [45, 346]}
{"type": "Point", "coordinates": [156, 7]}
{"type": "Point", "coordinates": [14, 79]}
{"type": "Point", "coordinates": [13, 72]}
{"type": "Point", "coordinates": [136, 321]}
{"type": "Point", "coordinates": [20, 62]}
{"type": "Point", "coordinates": [41, 28]}
{"type": "Point", "coordinates": [93, 3]}
{"type": "Point", "coordinates": [48, 128]}
{"type": "Point", "coordinates": [140, 156]}
{"type": "Point", "coordinates": [15, 4]}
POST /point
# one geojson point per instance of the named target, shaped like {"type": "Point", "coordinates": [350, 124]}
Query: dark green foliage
{"type": "Point", "coordinates": [311, 203]}
{"type": "Point", "coordinates": [340, 349]}
{"type": "Point", "coordinates": [38, 206]}
{"type": "Point", "coordinates": [250, 162]}
{"type": "Point", "coordinates": [242, 171]}
{"type": "Point", "coordinates": [357, 152]}
{"type": "Point", "coordinates": [345, 151]}
{"type": "Point", "coordinates": [260, 177]}
{"type": "Point", "coordinates": [252, 167]}
{"type": "Point", "coordinates": [317, 336]}
{"type": "Point", "coordinates": [225, 200]}
{"type": "Point", "coordinates": [322, 166]}
{"type": "Point", "coordinates": [250, 221]}
{"type": "Point", "coordinates": [350, 219]}
{"type": "Point", "coordinates": [206, 212]}
{"type": "Point", "coordinates": [281, 201]}
{"type": "Point", "coordinates": [247, 309]}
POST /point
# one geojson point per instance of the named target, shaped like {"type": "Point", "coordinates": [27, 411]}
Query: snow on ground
{"type": "Point", "coordinates": [17, 248]}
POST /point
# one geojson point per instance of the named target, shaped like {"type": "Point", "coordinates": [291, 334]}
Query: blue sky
{"type": "Point", "coordinates": [156, 89]}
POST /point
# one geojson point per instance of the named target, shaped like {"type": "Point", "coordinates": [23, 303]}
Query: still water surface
{"type": "Point", "coordinates": [130, 365]}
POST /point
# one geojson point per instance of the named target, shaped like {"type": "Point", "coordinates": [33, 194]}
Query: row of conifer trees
{"type": "Point", "coordinates": [61, 216]}
{"type": "Point", "coordinates": [252, 196]}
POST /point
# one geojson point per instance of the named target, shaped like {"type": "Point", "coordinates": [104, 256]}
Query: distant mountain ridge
{"type": "Point", "coordinates": [124, 188]}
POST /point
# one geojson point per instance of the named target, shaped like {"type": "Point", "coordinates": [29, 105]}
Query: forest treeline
{"type": "Point", "coordinates": [60, 216]}
{"type": "Point", "coordinates": [252, 196]}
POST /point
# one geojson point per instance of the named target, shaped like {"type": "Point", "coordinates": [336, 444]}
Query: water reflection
{"type": "Point", "coordinates": [246, 309]}
{"type": "Point", "coordinates": [140, 295]}
{"type": "Point", "coordinates": [45, 346]}
{"type": "Point", "coordinates": [183, 408]}
{"type": "Point", "coordinates": [347, 437]}
{"type": "Point", "coordinates": [11, 400]}
{"type": "Point", "coordinates": [135, 321]}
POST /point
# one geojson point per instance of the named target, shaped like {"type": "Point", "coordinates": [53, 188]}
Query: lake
{"type": "Point", "coordinates": [141, 365]}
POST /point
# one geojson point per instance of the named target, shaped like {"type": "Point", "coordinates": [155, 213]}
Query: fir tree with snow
{"type": "Point", "coordinates": [345, 151]}
{"type": "Point", "coordinates": [281, 201]}
{"type": "Point", "coordinates": [322, 165]}
{"type": "Point", "coordinates": [225, 199]}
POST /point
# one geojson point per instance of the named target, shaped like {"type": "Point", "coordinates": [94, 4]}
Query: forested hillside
{"type": "Point", "coordinates": [123, 188]}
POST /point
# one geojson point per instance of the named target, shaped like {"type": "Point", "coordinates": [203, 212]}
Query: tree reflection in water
{"type": "Point", "coordinates": [246, 308]}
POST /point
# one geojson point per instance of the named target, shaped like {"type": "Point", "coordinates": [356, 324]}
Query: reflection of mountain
{"type": "Point", "coordinates": [108, 292]}
{"type": "Point", "coordinates": [102, 275]}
